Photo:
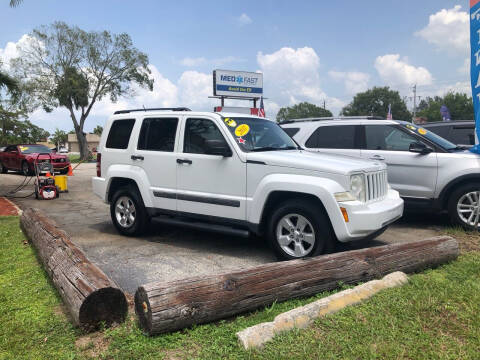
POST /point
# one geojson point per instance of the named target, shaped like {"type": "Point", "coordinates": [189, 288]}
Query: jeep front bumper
{"type": "Point", "coordinates": [366, 218]}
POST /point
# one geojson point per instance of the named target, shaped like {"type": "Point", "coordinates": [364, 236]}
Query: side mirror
{"type": "Point", "coordinates": [218, 147]}
{"type": "Point", "coordinates": [420, 148]}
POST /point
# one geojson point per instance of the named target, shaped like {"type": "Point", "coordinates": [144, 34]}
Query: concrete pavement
{"type": "Point", "coordinates": [166, 253]}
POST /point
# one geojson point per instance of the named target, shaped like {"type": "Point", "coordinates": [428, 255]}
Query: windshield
{"type": "Point", "coordinates": [432, 137]}
{"type": "Point", "coordinates": [255, 134]}
{"type": "Point", "coordinates": [30, 149]}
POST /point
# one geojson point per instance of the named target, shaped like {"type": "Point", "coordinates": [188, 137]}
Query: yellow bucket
{"type": "Point", "coordinates": [61, 183]}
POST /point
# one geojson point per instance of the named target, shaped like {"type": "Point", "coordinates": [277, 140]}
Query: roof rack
{"type": "Point", "coordinates": [365, 117]}
{"type": "Point", "coordinates": [152, 109]}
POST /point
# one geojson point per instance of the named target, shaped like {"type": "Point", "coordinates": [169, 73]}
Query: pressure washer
{"type": "Point", "coordinates": [45, 188]}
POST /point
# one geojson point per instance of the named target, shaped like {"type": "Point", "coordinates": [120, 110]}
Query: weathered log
{"type": "Point", "coordinates": [170, 306]}
{"type": "Point", "coordinates": [90, 296]}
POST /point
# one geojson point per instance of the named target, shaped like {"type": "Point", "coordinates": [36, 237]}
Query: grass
{"type": "Point", "coordinates": [74, 158]}
{"type": "Point", "coordinates": [434, 316]}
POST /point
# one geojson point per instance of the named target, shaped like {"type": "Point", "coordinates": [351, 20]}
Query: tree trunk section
{"type": "Point", "coordinates": [82, 143]}
{"type": "Point", "coordinates": [169, 306]}
{"type": "Point", "coordinates": [90, 296]}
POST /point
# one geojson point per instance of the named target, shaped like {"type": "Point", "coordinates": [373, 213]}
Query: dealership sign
{"type": "Point", "coordinates": [237, 83]}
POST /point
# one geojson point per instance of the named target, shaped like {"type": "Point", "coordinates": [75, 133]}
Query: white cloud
{"type": "Point", "coordinates": [448, 30]}
{"type": "Point", "coordinates": [190, 62]}
{"type": "Point", "coordinates": [244, 19]}
{"type": "Point", "coordinates": [460, 86]}
{"type": "Point", "coordinates": [10, 50]}
{"type": "Point", "coordinates": [397, 72]}
{"type": "Point", "coordinates": [354, 81]}
{"type": "Point", "coordinates": [195, 88]}
{"type": "Point", "coordinates": [292, 76]}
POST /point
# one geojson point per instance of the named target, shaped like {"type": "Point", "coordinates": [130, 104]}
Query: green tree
{"type": "Point", "coordinates": [300, 111]}
{"type": "Point", "coordinates": [59, 137]}
{"type": "Point", "coordinates": [66, 66]}
{"type": "Point", "coordinates": [98, 130]}
{"type": "Point", "coordinates": [375, 102]}
{"type": "Point", "coordinates": [460, 106]}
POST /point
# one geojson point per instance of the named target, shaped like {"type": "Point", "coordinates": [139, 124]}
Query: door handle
{"type": "Point", "coordinates": [377, 157]}
{"type": "Point", "coordinates": [137, 157]}
{"type": "Point", "coordinates": [184, 161]}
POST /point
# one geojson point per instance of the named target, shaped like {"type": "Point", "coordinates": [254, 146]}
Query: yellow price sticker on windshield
{"type": "Point", "coordinates": [230, 122]}
{"type": "Point", "coordinates": [23, 148]}
{"type": "Point", "coordinates": [411, 127]}
{"type": "Point", "coordinates": [422, 131]}
{"type": "Point", "coordinates": [242, 130]}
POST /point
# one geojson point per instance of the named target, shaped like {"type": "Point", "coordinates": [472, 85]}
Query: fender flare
{"type": "Point", "coordinates": [134, 173]}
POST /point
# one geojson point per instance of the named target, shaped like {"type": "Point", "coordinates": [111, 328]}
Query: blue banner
{"type": "Point", "coordinates": [475, 66]}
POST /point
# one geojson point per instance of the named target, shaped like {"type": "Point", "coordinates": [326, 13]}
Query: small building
{"type": "Point", "coordinates": [92, 141]}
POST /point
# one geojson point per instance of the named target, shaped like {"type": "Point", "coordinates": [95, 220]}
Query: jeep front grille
{"type": "Point", "coordinates": [376, 185]}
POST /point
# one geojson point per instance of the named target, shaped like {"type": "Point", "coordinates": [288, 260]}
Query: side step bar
{"type": "Point", "coordinates": [202, 226]}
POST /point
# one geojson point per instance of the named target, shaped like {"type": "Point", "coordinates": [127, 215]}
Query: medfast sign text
{"type": "Point", "coordinates": [237, 83]}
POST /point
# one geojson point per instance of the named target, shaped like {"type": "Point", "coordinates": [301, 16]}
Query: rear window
{"type": "Point", "coordinates": [291, 131]}
{"type": "Point", "coordinates": [158, 134]}
{"type": "Point", "coordinates": [119, 135]}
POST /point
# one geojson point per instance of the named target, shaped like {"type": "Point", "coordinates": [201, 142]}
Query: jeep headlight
{"type": "Point", "coordinates": [357, 186]}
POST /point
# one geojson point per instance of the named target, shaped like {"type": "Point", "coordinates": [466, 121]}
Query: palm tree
{"type": "Point", "coordinates": [15, 3]}
{"type": "Point", "coordinates": [8, 82]}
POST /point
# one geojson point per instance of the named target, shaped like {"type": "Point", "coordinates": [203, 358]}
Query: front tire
{"type": "Point", "coordinates": [3, 169]}
{"type": "Point", "coordinates": [128, 212]}
{"type": "Point", "coordinates": [464, 206]}
{"type": "Point", "coordinates": [26, 169]}
{"type": "Point", "coordinates": [299, 229]}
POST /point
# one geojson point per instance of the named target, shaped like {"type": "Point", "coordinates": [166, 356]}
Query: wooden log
{"type": "Point", "coordinates": [90, 296]}
{"type": "Point", "coordinates": [169, 306]}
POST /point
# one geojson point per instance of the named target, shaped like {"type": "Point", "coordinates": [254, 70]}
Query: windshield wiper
{"type": "Point", "coordinates": [271, 148]}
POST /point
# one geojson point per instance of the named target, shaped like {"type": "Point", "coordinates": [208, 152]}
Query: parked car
{"type": "Point", "coordinates": [460, 132]}
{"type": "Point", "coordinates": [63, 150]}
{"type": "Point", "coordinates": [22, 157]}
{"type": "Point", "coordinates": [237, 174]}
{"type": "Point", "coordinates": [429, 171]}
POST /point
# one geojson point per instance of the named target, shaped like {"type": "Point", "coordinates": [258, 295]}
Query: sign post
{"type": "Point", "coordinates": [475, 67]}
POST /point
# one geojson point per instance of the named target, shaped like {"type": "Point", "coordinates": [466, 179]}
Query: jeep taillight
{"type": "Point", "coordinates": [99, 165]}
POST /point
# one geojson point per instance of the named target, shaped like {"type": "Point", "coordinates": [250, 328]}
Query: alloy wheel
{"type": "Point", "coordinates": [125, 211]}
{"type": "Point", "coordinates": [468, 208]}
{"type": "Point", "coordinates": [295, 235]}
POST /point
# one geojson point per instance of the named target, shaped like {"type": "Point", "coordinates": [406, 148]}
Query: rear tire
{"type": "Point", "coordinates": [464, 206]}
{"type": "Point", "coordinates": [128, 212]}
{"type": "Point", "coordinates": [3, 169]}
{"type": "Point", "coordinates": [299, 229]}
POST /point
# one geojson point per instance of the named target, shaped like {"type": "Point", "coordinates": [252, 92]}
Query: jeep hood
{"type": "Point", "coordinates": [305, 160]}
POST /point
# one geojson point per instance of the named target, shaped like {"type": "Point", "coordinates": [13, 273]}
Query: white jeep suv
{"type": "Point", "coordinates": [238, 174]}
{"type": "Point", "coordinates": [430, 172]}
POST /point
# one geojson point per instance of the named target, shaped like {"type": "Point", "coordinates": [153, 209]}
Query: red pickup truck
{"type": "Point", "coordinates": [21, 157]}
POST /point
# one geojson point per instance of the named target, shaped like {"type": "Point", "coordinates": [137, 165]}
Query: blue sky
{"type": "Point", "coordinates": [307, 50]}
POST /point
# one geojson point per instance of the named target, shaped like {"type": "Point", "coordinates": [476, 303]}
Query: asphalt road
{"type": "Point", "coordinates": [167, 253]}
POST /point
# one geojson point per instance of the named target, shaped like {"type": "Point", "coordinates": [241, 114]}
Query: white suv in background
{"type": "Point", "coordinates": [430, 172]}
{"type": "Point", "coordinates": [237, 174]}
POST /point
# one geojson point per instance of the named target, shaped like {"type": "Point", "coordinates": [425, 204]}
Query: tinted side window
{"type": "Point", "coordinates": [333, 137]}
{"type": "Point", "coordinates": [119, 135]}
{"type": "Point", "coordinates": [158, 134]}
{"type": "Point", "coordinates": [383, 137]}
{"type": "Point", "coordinates": [291, 131]}
{"type": "Point", "coordinates": [440, 130]}
{"type": "Point", "coordinates": [463, 135]}
{"type": "Point", "coordinates": [197, 132]}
